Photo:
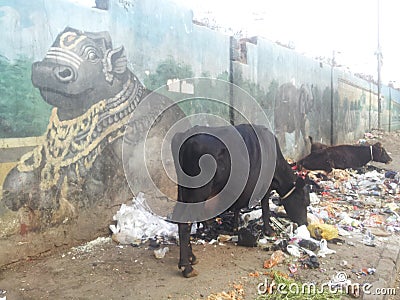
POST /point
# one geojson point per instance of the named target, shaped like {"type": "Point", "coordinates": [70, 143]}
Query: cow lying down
{"type": "Point", "coordinates": [326, 158]}
{"type": "Point", "coordinates": [316, 146]}
{"type": "Point", "coordinates": [190, 147]}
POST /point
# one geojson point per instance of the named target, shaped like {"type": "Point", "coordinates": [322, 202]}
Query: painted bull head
{"type": "Point", "coordinates": [94, 94]}
{"type": "Point", "coordinates": [79, 70]}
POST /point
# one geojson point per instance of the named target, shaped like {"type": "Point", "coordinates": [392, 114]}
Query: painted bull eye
{"type": "Point", "coordinates": [91, 54]}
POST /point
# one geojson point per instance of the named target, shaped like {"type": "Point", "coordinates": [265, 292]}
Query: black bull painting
{"type": "Point", "coordinates": [79, 163]}
{"type": "Point", "coordinates": [93, 92]}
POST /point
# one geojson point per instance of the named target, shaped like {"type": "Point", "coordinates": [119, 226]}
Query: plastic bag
{"type": "Point", "coordinates": [160, 253]}
{"type": "Point", "coordinates": [135, 223]}
{"type": "Point", "coordinates": [323, 231]}
{"type": "Point", "coordinates": [302, 232]}
{"type": "Point", "coordinates": [324, 249]}
{"type": "Point", "coordinates": [247, 237]}
{"type": "Point", "coordinates": [293, 250]}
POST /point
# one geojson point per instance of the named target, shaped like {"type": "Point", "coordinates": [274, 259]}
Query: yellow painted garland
{"type": "Point", "coordinates": [62, 147]}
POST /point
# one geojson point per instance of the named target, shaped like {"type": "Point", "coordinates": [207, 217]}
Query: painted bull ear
{"type": "Point", "coordinates": [115, 62]}
{"type": "Point", "coordinates": [118, 60]}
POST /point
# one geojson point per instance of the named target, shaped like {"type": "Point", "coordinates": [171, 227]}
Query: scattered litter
{"type": "Point", "coordinates": [89, 246]}
{"type": "Point", "coordinates": [277, 257]}
{"type": "Point", "coordinates": [311, 218]}
{"type": "Point", "coordinates": [310, 262]}
{"type": "Point", "coordinates": [360, 206]}
{"type": "Point", "coordinates": [369, 239]}
{"type": "Point", "coordinates": [248, 237]}
{"type": "Point", "coordinates": [308, 252]}
{"type": "Point", "coordinates": [380, 232]}
{"type": "Point", "coordinates": [370, 271]}
{"type": "Point", "coordinates": [224, 238]}
{"type": "Point", "coordinates": [160, 253]}
{"type": "Point", "coordinates": [314, 200]}
{"type": "Point", "coordinates": [254, 274]}
{"type": "Point", "coordinates": [136, 224]}
{"type": "Point", "coordinates": [293, 250]}
{"type": "Point", "coordinates": [213, 241]}
{"type": "Point", "coordinates": [324, 249]}
{"type": "Point", "coordinates": [280, 244]}
{"type": "Point", "coordinates": [293, 268]}
{"type": "Point", "coordinates": [263, 243]}
{"type": "Point", "coordinates": [3, 294]}
{"type": "Point", "coordinates": [252, 215]}
{"type": "Point", "coordinates": [308, 244]}
{"type": "Point", "coordinates": [302, 232]}
{"type": "Point", "coordinates": [364, 271]}
{"type": "Point", "coordinates": [323, 231]}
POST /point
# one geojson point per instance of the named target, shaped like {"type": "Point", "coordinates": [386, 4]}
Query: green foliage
{"type": "Point", "coordinates": [256, 91]}
{"type": "Point", "coordinates": [207, 106]}
{"type": "Point", "coordinates": [168, 69]}
{"type": "Point", "coordinates": [195, 104]}
{"type": "Point", "coordinates": [23, 112]}
{"type": "Point", "coordinates": [223, 76]}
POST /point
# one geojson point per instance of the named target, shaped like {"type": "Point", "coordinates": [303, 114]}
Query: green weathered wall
{"type": "Point", "coordinates": [296, 93]}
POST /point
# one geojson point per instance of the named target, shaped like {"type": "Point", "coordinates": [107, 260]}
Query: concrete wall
{"type": "Point", "coordinates": [67, 89]}
{"type": "Point", "coordinates": [298, 93]}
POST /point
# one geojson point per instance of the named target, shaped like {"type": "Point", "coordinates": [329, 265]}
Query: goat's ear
{"type": "Point", "coordinates": [300, 183]}
{"type": "Point", "coordinates": [378, 144]}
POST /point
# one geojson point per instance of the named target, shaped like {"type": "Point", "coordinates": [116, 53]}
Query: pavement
{"type": "Point", "coordinates": [387, 267]}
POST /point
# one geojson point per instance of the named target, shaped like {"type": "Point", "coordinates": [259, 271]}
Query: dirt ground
{"type": "Point", "coordinates": [104, 270]}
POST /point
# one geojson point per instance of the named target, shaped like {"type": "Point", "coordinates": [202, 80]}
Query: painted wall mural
{"type": "Point", "coordinates": [295, 104]}
{"type": "Point", "coordinates": [23, 113]}
{"type": "Point", "coordinates": [66, 94]}
{"type": "Point", "coordinates": [93, 93]}
{"type": "Point", "coordinates": [356, 104]}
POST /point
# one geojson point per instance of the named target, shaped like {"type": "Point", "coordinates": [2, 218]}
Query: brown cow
{"type": "Point", "coordinates": [344, 156]}
{"type": "Point", "coordinates": [316, 146]}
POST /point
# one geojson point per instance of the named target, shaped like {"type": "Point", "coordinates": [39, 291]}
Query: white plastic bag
{"type": "Point", "coordinates": [136, 223]}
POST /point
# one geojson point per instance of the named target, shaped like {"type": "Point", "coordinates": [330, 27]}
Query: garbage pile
{"type": "Point", "coordinates": [354, 207]}
{"type": "Point", "coordinates": [135, 224]}
{"type": "Point", "coordinates": [358, 202]}
{"type": "Point", "coordinates": [350, 203]}
{"type": "Point", "coordinates": [350, 206]}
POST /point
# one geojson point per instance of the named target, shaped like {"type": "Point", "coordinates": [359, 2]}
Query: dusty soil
{"type": "Point", "coordinates": [104, 270]}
